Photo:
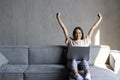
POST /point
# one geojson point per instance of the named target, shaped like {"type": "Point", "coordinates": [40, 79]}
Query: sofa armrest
{"type": "Point", "coordinates": [114, 60]}
{"type": "Point", "coordinates": [100, 54]}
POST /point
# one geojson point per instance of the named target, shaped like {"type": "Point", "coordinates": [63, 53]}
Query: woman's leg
{"type": "Point", "coordinates": [73, 66]}
{"type": "Point", "coordinates": [85, 66]}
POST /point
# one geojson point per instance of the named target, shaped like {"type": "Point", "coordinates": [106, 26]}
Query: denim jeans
{"type": "Point", "coordinates": [78, 65]}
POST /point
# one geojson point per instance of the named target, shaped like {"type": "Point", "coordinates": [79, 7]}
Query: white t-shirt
{"type": "Point", "coordinates": [80, 43]}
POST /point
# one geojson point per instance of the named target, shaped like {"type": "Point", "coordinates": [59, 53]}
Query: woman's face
{"type": "Point", "coordinates": [78, 34]}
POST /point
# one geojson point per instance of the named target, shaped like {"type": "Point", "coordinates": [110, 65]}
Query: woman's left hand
{"type": "Point", "coordinates": [99, 15]}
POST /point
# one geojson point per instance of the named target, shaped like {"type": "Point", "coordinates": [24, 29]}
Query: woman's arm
{"type": "Point", "coordinates": [58, 16]}
{"type": "Point", "coordinates": [95, 26]}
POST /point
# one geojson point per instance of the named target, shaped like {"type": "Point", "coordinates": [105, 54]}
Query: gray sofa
{"type": "Point", "coordinates": [49, 63]}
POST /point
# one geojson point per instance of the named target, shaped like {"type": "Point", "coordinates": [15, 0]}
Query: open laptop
{"type": "Point", "coordinates": [78, 53]}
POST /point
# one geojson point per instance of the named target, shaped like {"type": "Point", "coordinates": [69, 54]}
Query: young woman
{"type": "Point", "coordinates": [78, 39]}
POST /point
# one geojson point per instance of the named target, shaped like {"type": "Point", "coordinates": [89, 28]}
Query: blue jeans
{"type": "Point", "coordinates": [78, 65]}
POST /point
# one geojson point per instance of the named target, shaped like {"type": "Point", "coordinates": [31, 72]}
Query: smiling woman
{"type": "Point", "coordinates": [78, 33]}
{"type": "Point", "coordinates": [78, 40]}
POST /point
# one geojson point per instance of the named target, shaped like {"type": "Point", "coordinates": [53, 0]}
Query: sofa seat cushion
{"type": "Point", "coordinates": [102, 74]}
{"type": "Point", "coordinates": [12, 72]}
{"type": "Point", "coordinates": [16, 68]}
{"type": "Point", "coordinates": [13, 68]}
{"type": "Point", "coordinates": [46, 69]}
{"type": "Point", "coordinates": [46, 72]}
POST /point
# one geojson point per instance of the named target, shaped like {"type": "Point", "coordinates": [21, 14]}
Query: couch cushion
{"type": "Point", "coordinates": [46, 72]}
{"type": "Point", "coordinates": [3, 59]}
{"type": "Point", "coordinates": [12, 72]}
{"type": "Point", "coordinates": [102, 74]}
{"type": "Point", "coordinates": [44, 69]}
{"type": "Point", "coordinates": [15, 54]}
{"type": "Point", "coordinates": [16, 68]}
{"type": "Point", "coordinates": [47, 55]}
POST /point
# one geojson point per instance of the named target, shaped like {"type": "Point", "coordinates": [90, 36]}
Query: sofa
{"type": "Point", "coordinates": [49, 63]}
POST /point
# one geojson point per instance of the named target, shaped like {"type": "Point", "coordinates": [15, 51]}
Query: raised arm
{"type": "Point", "coordinates": [58, 16]}
{"type": "Point", "coordinates": [95, 25]}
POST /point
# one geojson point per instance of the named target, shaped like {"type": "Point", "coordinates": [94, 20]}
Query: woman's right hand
{"type": "Point", "coordinates": [99, 15]}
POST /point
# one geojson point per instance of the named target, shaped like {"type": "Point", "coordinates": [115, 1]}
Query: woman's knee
{"type": "Point", "coordinates": [72, 64]}
{"type": "Point", "coordinates": [83, 65]}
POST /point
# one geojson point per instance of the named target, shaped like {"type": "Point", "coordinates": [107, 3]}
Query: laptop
{"type": "Point", "coordinates": [78, 53]}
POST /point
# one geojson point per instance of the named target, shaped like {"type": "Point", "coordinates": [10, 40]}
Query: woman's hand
{"type": "Point", "coordinates": [99, 15]}
{"type": "Point", "coordinates": [58, 14]}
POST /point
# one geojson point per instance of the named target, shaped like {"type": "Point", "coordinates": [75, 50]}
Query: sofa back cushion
{"type": "Point", "coordinates": [47, 54]}
{"type": "Point", "coordinates": [15, 54]}
{"type": "Point", "coordinates": [57, 54]}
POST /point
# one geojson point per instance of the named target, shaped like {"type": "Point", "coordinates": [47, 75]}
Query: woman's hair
{"type": "Point", "coordinates": [74, 31]}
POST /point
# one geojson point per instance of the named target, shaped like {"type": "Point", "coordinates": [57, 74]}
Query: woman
{"type": "Point", "coordinates": [78, 40]}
